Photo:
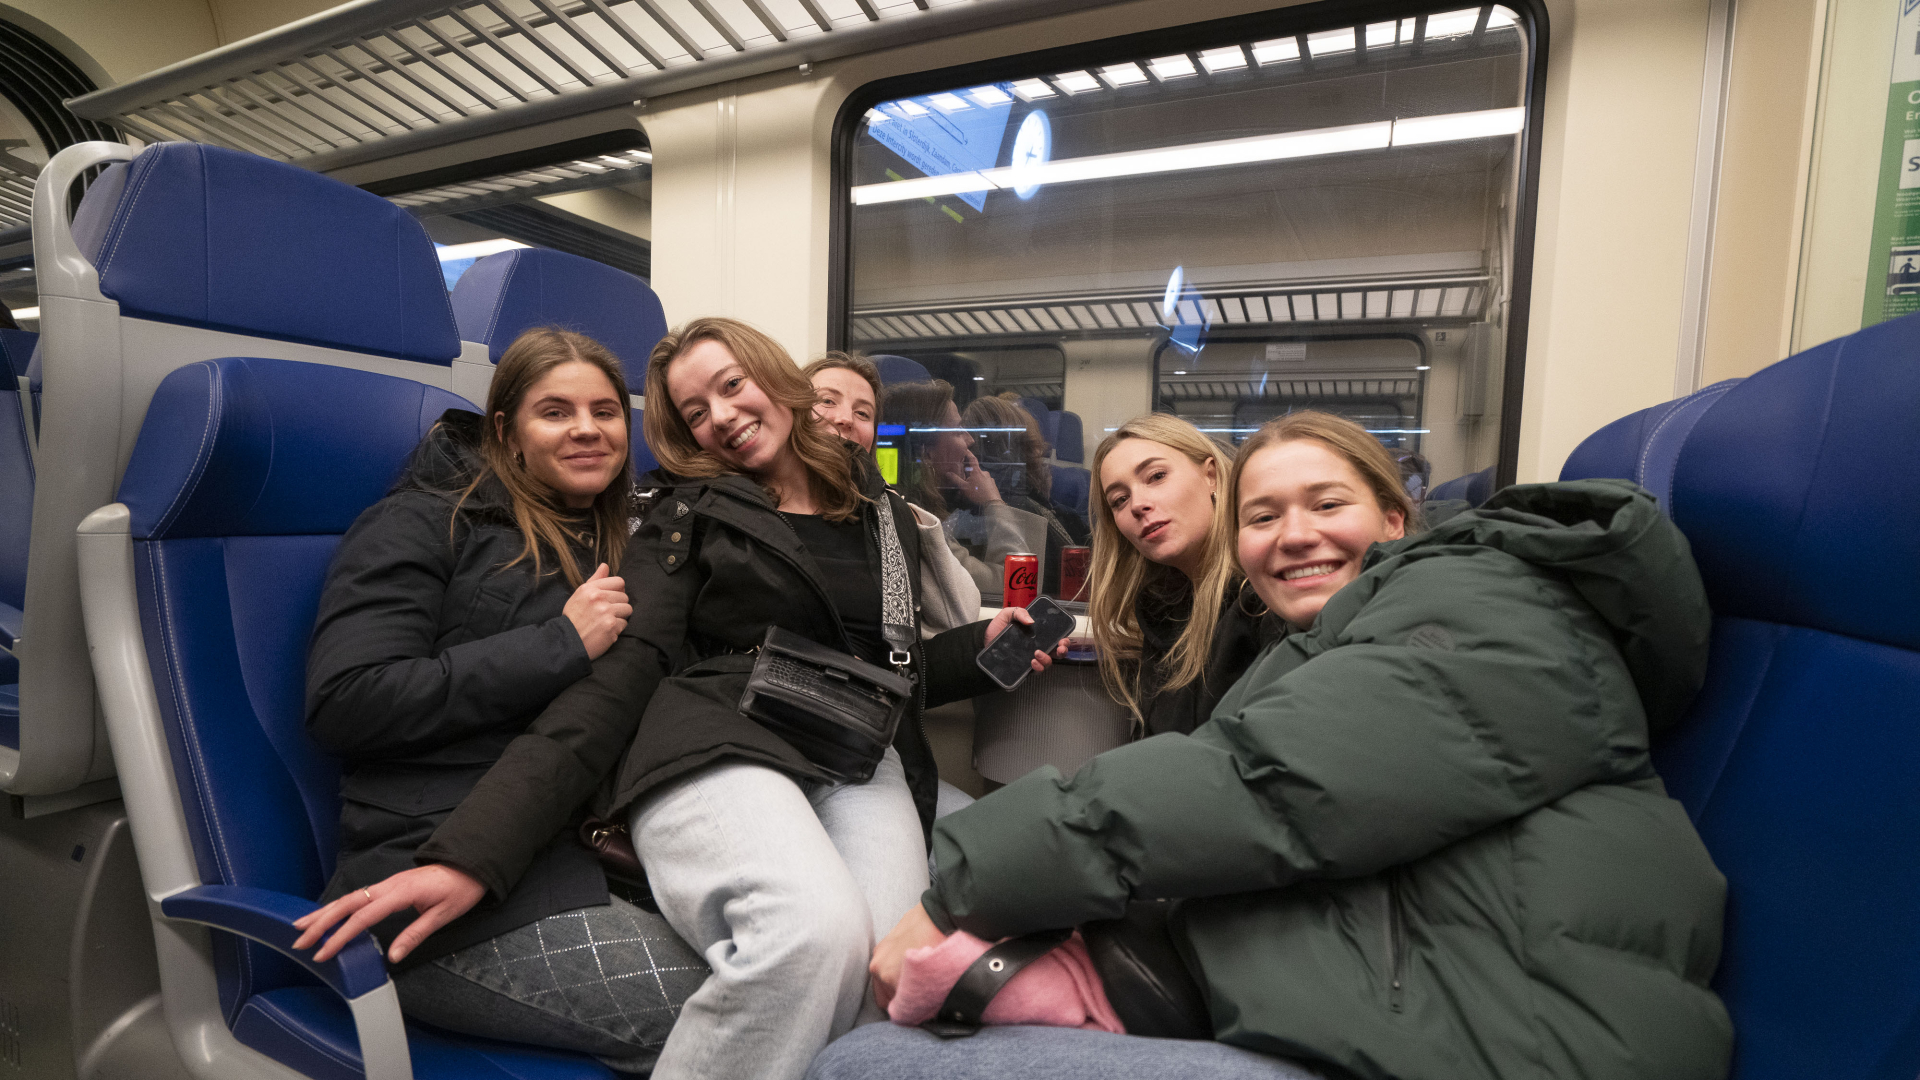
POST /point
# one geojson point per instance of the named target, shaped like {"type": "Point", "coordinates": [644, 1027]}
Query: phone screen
{"type": "Point", "coordinates": [1008, 659]}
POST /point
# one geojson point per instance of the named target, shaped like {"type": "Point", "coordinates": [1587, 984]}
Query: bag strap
{"type": "Point", "coordinates": [966, 1003]}
{"type": "Point", "coordinates": [897, 624]}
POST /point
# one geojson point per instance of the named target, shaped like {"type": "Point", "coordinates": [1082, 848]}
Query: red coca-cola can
{"type": "Point", "coordinates": [1074, 564]}
{"type": "Point", "coordinates": [1021, 579]}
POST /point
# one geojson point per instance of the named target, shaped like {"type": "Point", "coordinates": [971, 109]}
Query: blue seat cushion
{"type": "Point", "coordinates": [10, 713]}
{"type": "Point", "coordinates": [506, 294]}
{"type": "Point", "coordinates": [310, 1029]}
{"type": "Point", "coordinates": [1069, 443]}
{"type": "Point", "coordinates": [1071, 488]}
{"type": "Point", "coordinates": [217, 238]}
{"type": "Point", "coordinates": [899, 369]}
{"type": "Point", "coordinates": [16, 353]}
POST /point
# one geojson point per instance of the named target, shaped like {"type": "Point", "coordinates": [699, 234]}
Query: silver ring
{"type": "Point", "coordinates": [369, 894]}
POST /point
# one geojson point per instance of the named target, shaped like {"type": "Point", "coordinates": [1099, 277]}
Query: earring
{"type": "Point", "coordinates": [1240, 601]}
{"type": "Point", "coordinates": [520, 459]}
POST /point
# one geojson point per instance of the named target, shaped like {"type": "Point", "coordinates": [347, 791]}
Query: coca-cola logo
{"type": "Point", "coordinates": [1023, 577]}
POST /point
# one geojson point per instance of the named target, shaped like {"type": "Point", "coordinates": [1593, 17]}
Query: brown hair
{"type": "Point", "coordinates": [829, 469]}
{"type": "Point", "coordinates": [918, 405]}
{"type": "Point", "coordinates": [1345, 438]}
{"type": "Point", "coordinates": [529, 359]}
{"type": "Point", "coordinates": [855, 363]}
{"type": "Point", "coordinates": [1029, 447]}
{"type": "Point", "coordinates": [1119, 571]}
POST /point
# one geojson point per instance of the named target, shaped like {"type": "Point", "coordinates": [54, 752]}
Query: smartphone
{"type": "Point", "coordinates": [1008, 659]}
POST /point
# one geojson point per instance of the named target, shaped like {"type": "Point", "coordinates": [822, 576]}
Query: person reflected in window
{"type": "Point", "coordinates": [940, 474]}
{"type": "Point", "coordinates": [848, 392]}
{"type": "Point", "coordinates": [1009, 446]}
{"type": "Point", "coordinates": [1421, 836]}
{"type": "Point", "coordinates": [455, 610]}
{"type": "Point", "coordinates": [1162, 551]}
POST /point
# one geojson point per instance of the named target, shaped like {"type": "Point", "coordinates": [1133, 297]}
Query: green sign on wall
{"type": "Point", "coordinates": [1893, 270]}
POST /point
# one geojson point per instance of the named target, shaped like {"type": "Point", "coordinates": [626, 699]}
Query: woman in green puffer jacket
{"type": "Point", "coordinates": [1421, 837]}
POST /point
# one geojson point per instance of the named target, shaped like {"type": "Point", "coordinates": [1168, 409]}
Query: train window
{"type": "Point", "coordinates": [590, 197]}
{"type": "Point", "coordinates": [1226, 221]}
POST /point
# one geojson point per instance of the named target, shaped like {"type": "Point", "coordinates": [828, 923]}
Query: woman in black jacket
{"type": "Point", "coordinates": [455, 610]}
{"type": "Point", "coordinates": [1162, 551]}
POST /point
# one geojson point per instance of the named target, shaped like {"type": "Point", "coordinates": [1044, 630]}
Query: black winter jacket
{"type": "Point", "coordinates": [1162, 609]}
{"type": "Point", "coordinates": [711, 566]}
{"type": "Point", "coordinates": [428, 658]}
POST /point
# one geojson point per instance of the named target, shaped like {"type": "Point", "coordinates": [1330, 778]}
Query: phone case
{"type": "Point", "coordinates": [1007, 659]}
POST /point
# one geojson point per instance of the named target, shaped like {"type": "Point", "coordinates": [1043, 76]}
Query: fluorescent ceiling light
{"type": "Point", "coordinates": [1176, 66]}
{"type": "Point", "coordinates": [1454, 126]}
{"type": "Point", "coordinates": [1076, 82]}
{"type": "Point", "coordinates": [1031, 89]}
{"type": "Point", "coordinates": [910, 107]}
{"type": "Point", "coordinates": [875, 116]}
{"type": "Point", "coordinates": [1329, 42]}
{"type": "Point", "coordinates": [1452, 23]}
{"type": "Point", "coordinates": [1277, 51]}
{"type": "Point", "coordinates": [477, 249]}
{"type": "Point", "coordinates": [989, 95]}
{"type": "Point", "coordinates": [949, 102]}
{"type": "Point", "coordinates": [29, 314]}
{"type": "Point", "coordinates": [1227, 59]}
{"type": "Point", "coordinates": [1379, 34]}
{"type": "Point", "coordinates": [1123, 75]}
{"type": "Point", "coordinates": [1500, 17]}
{"type": "Point", "coordinates": [1316, 142]}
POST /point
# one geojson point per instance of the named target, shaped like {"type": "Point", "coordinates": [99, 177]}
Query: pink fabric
{"type": "Point", "coordinates": [1060, 989]}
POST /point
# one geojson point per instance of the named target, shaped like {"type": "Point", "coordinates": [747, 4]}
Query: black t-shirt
{"type": "Point", "coordinates": [852, 577]}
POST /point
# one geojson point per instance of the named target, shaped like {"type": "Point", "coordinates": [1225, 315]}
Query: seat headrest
{"type": "Point", "coordinates": [897, 369]}
{"type": "Point", "coordinates": [242, 446]}
{"type": "Point", "coordinates": [1070, 442]}
{"type": "Point", "coordinates": [503, 295]}
{"type": "Point", "coordinates": [1797, 492]}
{"type": "Point", "coordinates": [230, 241]}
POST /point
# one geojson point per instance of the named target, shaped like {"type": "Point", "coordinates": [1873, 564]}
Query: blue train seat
{"type": "Point", "coordinates": [899, 369]}
{"type": "Point", "coordinates": [1475, 488]}
{"type": "Point", "coordinates": [16, 517]}
{"type": "Point", "coordinates": [1069, 438]}
{"type": "Point", "coordinates": [1644, 446]}
{"type": "Point", "coordinates": [1797, 760]}
{"type": "Point", "coordinates": [180, 254]}
{"type": "Point", "coordinates": [504, 295]}
{"type": "Point", "coordinates": [201, 588]}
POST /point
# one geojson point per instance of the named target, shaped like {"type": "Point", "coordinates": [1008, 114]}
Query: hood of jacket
{"type": "Point", "coordinates": [447, 460]}
{"type": "Point", "coordinates": [1609, 540]}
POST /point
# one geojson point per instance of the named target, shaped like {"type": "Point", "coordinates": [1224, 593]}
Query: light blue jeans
{"type": "Point", "coordinates": [783, 888]}
{"type": "Point", "coordinates": [888, 1052]}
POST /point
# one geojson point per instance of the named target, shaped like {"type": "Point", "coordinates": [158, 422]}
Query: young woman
{"type": "Point", "coordinates": [1420, 837]}
{"type": "Point", "coordinates": [847, 396]}
{"type": "Point", "coordinates": [456, 609]}
{"type": "Point", "coordinates": [1163, 550]}
{"type": "Point", "coordinates": [941, 475]}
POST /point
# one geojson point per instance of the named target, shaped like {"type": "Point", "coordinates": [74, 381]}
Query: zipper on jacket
{"type": "Point", "coordinates": [1396, 944]}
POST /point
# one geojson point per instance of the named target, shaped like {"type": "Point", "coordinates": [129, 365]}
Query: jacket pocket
{"type": "Point", "coordinates": [410, 792]}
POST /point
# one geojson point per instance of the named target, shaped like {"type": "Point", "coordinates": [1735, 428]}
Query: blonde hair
{"type": "Point", "coordinates": [1119, 570]}
{"type": "Point", "coordinates": [528, 360]}
{"type": "Point", "coordinates": [829, 469]}
{"type": "Point", "coordinates": [1345, 438]}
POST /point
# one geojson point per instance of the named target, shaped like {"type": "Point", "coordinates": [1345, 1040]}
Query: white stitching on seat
{"type": "Point", "coordinates": [125, 214]}
{"type": "Point", "coordinates": [301, 1036]}
{"type": "Point", "coordinates": [209, 434]}
{"type": "Point", "coordinates": [500, 298]}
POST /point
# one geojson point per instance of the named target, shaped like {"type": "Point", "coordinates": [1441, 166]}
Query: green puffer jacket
{"type": "Point", "coordinates": [1423, 838]}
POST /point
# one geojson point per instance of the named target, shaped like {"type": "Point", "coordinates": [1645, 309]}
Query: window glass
{"type": "Point", "coordinates": [1316, 218]}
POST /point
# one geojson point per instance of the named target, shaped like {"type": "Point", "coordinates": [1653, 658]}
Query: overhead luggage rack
{"type": "Point", "coordinates": [375, 78]}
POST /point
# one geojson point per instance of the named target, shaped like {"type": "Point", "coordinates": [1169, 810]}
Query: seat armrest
{"type": "Point", "coordinates": [267, 917]}
{"type": "Point", "coordinates": [357, 973]}
{"type": "Point", "coordinates": [10, 618]}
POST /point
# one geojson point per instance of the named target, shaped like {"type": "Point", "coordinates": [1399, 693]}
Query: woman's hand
{"type": "Point", "coordinates": [974, 483]}
{"type": "Point", "coordinates": [914, 931]}
{"type": "Point", "coordinates": [438, 892]}
{"type": "Point", "coordinates": [1001, 619]}
{"type": "Point", "coordinates": [599, 610]}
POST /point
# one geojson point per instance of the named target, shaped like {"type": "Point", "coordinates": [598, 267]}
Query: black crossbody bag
{"type": "Point", "coordinates": [839, 711]}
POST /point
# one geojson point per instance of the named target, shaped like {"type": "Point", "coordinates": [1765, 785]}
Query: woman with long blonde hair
{"type": "Point", "coordinates": [1173, 626]}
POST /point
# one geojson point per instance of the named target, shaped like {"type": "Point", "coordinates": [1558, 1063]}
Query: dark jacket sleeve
{"type": "Point", "coordinates": [952, 674]}
{"type": "Point", "coordinates": [548, 772]}
{"type": "Point", "coordinates": [1375, 751]}
{"type": "Point", "coordinates": [376, 686]}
